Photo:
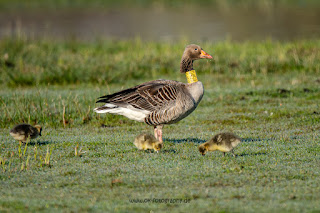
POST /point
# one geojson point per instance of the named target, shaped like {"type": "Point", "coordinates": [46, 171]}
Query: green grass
{"type": "Point", "coordinates": [266, 92]}
{"type": "Point", "coordinates": [26, 62]}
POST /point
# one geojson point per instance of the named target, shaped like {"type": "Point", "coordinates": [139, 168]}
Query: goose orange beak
{"type": "Point", "coordinates": [205, 55]}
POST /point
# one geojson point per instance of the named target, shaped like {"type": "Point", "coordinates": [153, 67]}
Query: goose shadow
{"type": "Point", "coordinates": [197, 140]}
{"type": "Point", "coordinates": [266, 139]}
{"type": "Point", "coordinates": [251, 154]}
{"type": "Point", "coordinates": [252, 139]}
{"type": "Point", "coordinates": [256, 139]}
{"type": "Point", "coordinates": [161, 151]}
{"type": "Point", "coordinates": [40, 143]}
{"type": "Point", "coordinates": [169, 151]}
{"type": "Point", "coordinates": [192, 140]}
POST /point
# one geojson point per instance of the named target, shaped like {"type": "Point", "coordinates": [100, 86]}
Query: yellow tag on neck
{"type": "Point", "coordinates": [191, 76]}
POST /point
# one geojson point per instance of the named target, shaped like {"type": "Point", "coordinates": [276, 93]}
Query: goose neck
{"type": "Point", "coordinates": [191, 76]}
{"type": "Point", "coordinates": [186, 64]}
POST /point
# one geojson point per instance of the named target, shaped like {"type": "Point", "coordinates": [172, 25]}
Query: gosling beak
{"type": "Point", "coordinates": [205, 55]}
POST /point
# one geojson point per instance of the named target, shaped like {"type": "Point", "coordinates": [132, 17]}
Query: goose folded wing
{"type": "Point", "coordinates": [149, 96]}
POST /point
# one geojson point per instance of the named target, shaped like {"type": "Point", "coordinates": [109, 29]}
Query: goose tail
{"type": "Point", "coordinates": [125, 110]}
{"type": "Point", "coordinates": [107, 108]}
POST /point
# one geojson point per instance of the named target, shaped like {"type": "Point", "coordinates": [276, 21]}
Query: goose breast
{"type": "Point", "coordinates": [184, 102]}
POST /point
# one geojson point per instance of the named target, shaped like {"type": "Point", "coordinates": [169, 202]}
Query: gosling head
{"type": "Point", "coordinates": [157, 146]}
{"type": "Point", "coordinates": [39, 128]}
{"type": "Point", "coordinates": [202, 150]}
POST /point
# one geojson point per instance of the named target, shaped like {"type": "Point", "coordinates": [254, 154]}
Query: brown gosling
{"type": "Point", "coordinates": [224, 142]}
{"type": "Point", "coordinates": [147, 141]}
{"type": "Point", "coordinates": [22, 132]}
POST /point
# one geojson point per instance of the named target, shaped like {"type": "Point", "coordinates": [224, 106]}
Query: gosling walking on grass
{"type": "Point", "coordinates": [224, 142]}
{"type": "Point", "coordinates": [147, 141]}
{"type": "Point", "coordinates": [22, 132]}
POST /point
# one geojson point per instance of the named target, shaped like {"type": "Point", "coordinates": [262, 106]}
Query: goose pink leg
{"type": "Point", "coordinates": [158, 133]}
{"type": "Point", "coordinates": [155, 132]}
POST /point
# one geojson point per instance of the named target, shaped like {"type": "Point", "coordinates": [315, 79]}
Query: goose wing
{"type": "Point", "coordinates": [148, 97]}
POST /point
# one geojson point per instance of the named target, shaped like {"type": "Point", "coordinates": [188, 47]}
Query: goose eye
{"type": "Point", "coordinates": [196, 49]}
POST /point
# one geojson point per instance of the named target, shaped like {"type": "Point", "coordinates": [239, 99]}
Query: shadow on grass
{"type": "Point", "coordinates": [169, 151]}
{"type": "Point", "coordinates": [271, 139]}
{"type": "Point", "coordinates": [197, 140]}
{"type": "Point", "coordinates": [149, 151]}
{"type": "Point", "coordinates": [253, 139]}
{"type": "Point", "coordinates": [40, 143]}
{"type": "Point", "coordinates": [193, 140]}
{"type": "Point", "coordinates": [258, 139]}
{"type": "Point", "coordinates": [251, 154]}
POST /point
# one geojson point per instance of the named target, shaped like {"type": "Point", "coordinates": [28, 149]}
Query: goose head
{"type": "Point", "coordinates": [157, 146]}
{"type": "Point", "coordinates": [192, 52]}
{"type": "Point", "coordinates": [202, 150]}
{"type": "Point", "coordinates": [39, 128]}
{"type": "Point", "coordinates": [195, 52]}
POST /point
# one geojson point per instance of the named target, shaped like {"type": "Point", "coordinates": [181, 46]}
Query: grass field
{"type": "Point", "coordinates": [266, 92]}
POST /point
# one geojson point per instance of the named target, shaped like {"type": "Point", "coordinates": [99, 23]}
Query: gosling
{"type": "Point", "coordinates": [147, 141]}
{"type": "Point", "coordinates": [22, 132]}
{"type": "Point", "coordinates": [224, 142]}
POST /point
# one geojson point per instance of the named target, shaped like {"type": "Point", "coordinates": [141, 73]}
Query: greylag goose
{"type": "Point", "coordinates": [160, 102]}
{"type": "Point", "coordinates": [147, 141]}
{"type": "Point", "coordinates": [22, 132]}
{"type": "Point", "coordinates": [224, 142]}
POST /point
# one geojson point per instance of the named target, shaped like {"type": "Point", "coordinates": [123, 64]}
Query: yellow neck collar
{"type": "Point", "coordinates": [191, 76]}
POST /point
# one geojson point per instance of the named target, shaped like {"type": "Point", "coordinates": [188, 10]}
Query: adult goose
{"type": "Point", "coordinates": [160, 102]}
